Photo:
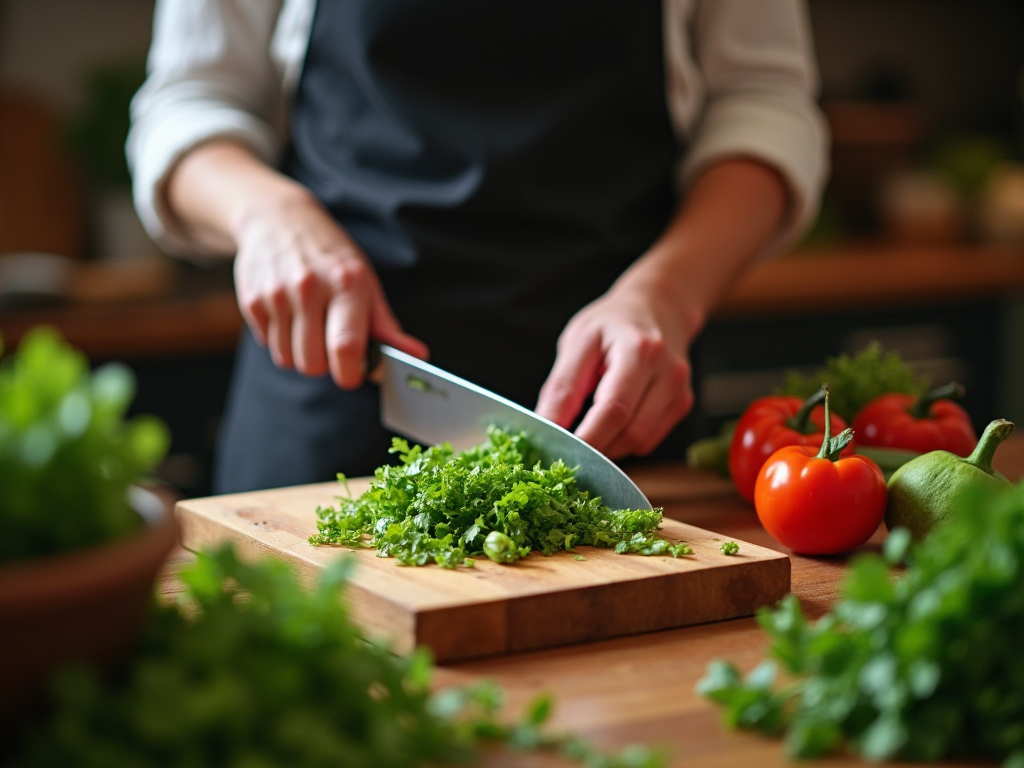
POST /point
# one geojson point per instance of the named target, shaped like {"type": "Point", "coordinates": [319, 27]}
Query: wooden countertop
{"type": "Point", "coordinates": [641, 688]}
{"type": "Point", "coordinates": [195, 312]}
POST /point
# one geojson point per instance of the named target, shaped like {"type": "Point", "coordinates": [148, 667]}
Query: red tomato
{"type": "Point", "coordinates": [817, 506]}
{"type": "Point", "coordinates": [769, 424]}
{"type": "Point", "coordinates": [932, 422]}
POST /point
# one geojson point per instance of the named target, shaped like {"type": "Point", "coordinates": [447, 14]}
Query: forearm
{"type": "Point", "coordinates": [731, 212]}
{"type": "Point", "coordinates": [218, 185]}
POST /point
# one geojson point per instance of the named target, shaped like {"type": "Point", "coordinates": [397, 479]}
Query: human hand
{"type": "Point", "coordinates": [309, 294]}
{"type": "Point", "coordinates": [628, 348]}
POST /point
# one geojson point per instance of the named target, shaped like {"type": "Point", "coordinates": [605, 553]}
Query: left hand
{"type": "Point", "coordinates": [630, 349]}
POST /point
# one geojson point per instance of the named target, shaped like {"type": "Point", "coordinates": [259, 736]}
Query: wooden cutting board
{"type": "Point", "coordinates": [490, 609]}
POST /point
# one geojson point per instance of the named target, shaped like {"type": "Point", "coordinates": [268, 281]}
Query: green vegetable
{"type": "Point", "coordinates": [855, 380]}
{"type": "Point", "coordinates": [442, 507]}
{"type": "Point", "coordinates": [500, 548]}
{"type": "Point", "coordinates": [712, 453]}
{"type": "Point", "coordinates": [68, 454]}
{"type": "Point", "coordinates": [921, 665]}
{"type": "Point", "coordinates": [922, 492]}
{"type": "Point", "coordinates": [888, 459]}
{"type": "Point", "coordinates": [282, 677]}
{"type": "Point", "coordinates": [730, 548]}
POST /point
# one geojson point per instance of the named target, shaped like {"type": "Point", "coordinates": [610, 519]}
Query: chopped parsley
{"type": "Point", "coordinates": [441, 506]}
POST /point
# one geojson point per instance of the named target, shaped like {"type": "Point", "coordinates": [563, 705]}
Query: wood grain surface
{"type": "Point", "coordinates": [538, 602]}
{"type": "Point", "coordinates": [641, 688]}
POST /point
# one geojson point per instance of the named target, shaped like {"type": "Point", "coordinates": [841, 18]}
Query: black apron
{"type": "Point", "coordinates": [501, 163]}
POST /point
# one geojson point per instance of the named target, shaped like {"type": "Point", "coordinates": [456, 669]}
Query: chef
{"type": "Point", "coordinates": [545, 197]}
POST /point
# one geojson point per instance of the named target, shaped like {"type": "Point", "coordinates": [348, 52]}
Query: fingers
{"type": "Point", "coordinates": [667, 401]}
{"type": "Point", "coordinates": [310, 295]}
{"type": "Point", "coordinates": [617, 398]}
{"type": "Point", "coordinates": [573, 377]}
{"type": "Point", "coordinates": [645, 392]}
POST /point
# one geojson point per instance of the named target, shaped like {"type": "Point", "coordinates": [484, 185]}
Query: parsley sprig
{"type": "Point", "coordinates": [440, 506]}
{"type": "Point", "coordinates": [253, 669]}
{"type": "Point", "coordinates": [856, 379]}
{"type": "Point", "coordinates": [923, 666]}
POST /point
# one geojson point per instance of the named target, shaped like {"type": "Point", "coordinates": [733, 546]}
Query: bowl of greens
{"type": "Point", "coordinates": [82, 540]}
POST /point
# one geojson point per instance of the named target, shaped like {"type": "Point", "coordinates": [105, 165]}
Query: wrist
{"type": "Point", "coordinates": [271, 198]}
{"type": "Point", "coordinates": [665, 283]}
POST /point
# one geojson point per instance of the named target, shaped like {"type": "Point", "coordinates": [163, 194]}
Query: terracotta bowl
{"type": "Point", "coordinates": [83, 606]}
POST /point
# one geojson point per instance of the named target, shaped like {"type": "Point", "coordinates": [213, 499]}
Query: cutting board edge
{"type": "Point", "coordinates": [490, 625]}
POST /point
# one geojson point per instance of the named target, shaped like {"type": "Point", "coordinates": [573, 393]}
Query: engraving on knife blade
{"type": "Point", "coordinates": [422, 385]}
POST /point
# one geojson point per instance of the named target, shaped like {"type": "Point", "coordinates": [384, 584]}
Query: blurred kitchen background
{"type": "Point", "coordinates": [920, 243]}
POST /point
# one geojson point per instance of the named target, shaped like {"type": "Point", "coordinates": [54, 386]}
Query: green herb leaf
{"type": "Point", "coordinates": [252, 669]}
{"type": "Point", "coordinates": [923, 664]}
{"type": "Point", "coordinates": [68, 454]}
{"type": "Point", "coordinates": [857, 379]}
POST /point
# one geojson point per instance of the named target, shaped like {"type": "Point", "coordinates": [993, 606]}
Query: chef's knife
{"type": "Point", "coordinates": [432, 406]}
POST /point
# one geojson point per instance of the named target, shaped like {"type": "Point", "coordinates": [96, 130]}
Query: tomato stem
{"type": "Point", "coordinates": [922, 408]}
{"type": "Point", "coordinates": [831, 447]}
{"type": "Point", "coordinates": [801, 420]}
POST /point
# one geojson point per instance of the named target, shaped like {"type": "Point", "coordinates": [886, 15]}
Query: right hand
{"type": "Point", "coordinates": [309, 294]}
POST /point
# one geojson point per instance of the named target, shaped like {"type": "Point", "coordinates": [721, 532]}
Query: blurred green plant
{"type": "Point", "coordinates": [68, 453]}
{"type": "Point", "coordinates": [281, 677]}
{"type": "Point", "coordinates": [97, 134]}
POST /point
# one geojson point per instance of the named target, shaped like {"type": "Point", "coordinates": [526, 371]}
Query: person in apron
{"type": "Point", "coordinates": [490, 185]}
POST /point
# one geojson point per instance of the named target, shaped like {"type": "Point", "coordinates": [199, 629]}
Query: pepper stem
{"type": "Point", "coordinates": [801, 420]}
{"type": "Point", "coordinates": [997, 431]}
{"type": "Point", "coordinates": [922, 408]}
{"type": "Point", "coordinates": [831, 447]}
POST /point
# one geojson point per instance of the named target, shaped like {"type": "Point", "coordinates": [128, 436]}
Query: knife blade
{"type": "Point", "coordinates": [430, 405]}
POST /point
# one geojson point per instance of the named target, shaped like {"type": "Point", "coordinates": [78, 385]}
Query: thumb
{"type": "Point", "coordinates": [385, 328]}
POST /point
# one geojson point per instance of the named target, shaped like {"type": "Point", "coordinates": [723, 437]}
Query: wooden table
{"type": "Point", "coordinates": [641, 688]}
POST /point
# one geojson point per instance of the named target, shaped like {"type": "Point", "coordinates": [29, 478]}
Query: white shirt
{"type": "Point", "coordinates": [741, 81]}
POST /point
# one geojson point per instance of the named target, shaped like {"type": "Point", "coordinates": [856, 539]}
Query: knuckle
{"type": "Point", "coordinates": [679, 374]}
{"type": "Point", "coordinates": [651, 347]}
{"type": "Point", "coordinates": [558, 390]}
{"type": "Point", "coordinates": [308, 287]}
{"type": "Point", "coordinates": [345, 345]}
{"type": "Point", "coordinates": [349, 275]}
{"type": "Point", "coordinates": [615, 412]}
{"type": "Point", "coordinates": [253, 307]}
{"type": "Point", "coordinates": [279, 299]}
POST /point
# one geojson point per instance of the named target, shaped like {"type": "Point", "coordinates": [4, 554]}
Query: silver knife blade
{"type": "Point", "coordinates": [430, 405]}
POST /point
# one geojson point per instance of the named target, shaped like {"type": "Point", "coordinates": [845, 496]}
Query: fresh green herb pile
{"type": "Point", "coordinates": [495, 499]}
{"type": "Point", "coordinates": [281, 677]}
{"type": "Point", "coordinates": [923, 666]}
{"type": "Point", "coordinates": [67, 452]}
{"type": "Point", "coordinates": [855, 380]}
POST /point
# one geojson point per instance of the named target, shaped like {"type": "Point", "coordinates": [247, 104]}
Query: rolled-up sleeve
{"type": "Point", "coordinates": [746, 85]}
{"type": "Point", "coordinates": [210, 74]}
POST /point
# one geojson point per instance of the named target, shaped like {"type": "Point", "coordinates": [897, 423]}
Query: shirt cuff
{"type": "Point", "coordinates": [154, 149]}
{"type": "Point", "coordinates": [793, 142]}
